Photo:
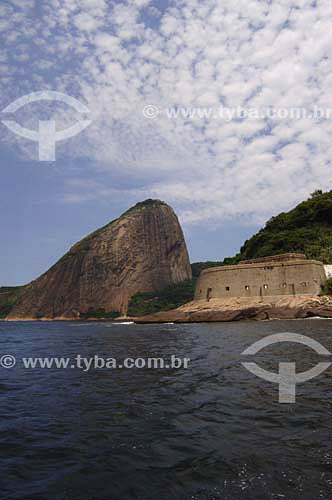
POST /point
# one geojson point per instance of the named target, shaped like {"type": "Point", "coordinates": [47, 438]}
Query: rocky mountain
{"type": "Point", "coordinates": [142, 251]}
{"type": "Point", "coordinates": [307, 228]}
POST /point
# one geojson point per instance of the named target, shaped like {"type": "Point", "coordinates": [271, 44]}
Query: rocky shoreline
{"type": "Point", "coordinates": [222, 310]}
{"type": "Point", "coordinates": [237, 309]}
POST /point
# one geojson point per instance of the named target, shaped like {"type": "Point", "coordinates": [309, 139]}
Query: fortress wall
{"type": "Point", "coordinates": [261, 279]}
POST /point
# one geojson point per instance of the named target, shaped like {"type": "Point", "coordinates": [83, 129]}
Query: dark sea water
{"type": "Point", "coordinates": [211, 431]}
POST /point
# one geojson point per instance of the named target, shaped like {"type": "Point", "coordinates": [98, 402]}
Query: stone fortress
{"type": "Point", "coordinates": [286, 274]}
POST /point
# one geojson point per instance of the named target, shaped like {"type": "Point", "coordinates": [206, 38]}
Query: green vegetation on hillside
{"type": "Point", "coordinates": [171, 297]}
{"type": "Point", "coordinates": [8, 297]}
{"type": "Point", "coordinates": [197, 267]}
{"type": "Point", "coordinates": [305, 229]}
{"type": "Point", "coordinates": [142, 205]}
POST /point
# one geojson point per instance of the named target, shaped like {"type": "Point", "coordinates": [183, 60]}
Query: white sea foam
{"type": "Point", "coordinates": [123, 323]}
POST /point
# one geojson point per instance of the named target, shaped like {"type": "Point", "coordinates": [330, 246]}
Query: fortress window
{"type": "Point", "coordinates": [265, 286]}
{"type": "Point", "coordinates": [227, 289]}
{"type": "Point", "coordinates": [247, 287]}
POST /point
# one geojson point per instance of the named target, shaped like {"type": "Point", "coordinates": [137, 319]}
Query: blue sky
{"type": "Point", "coordinates": [224, 179]}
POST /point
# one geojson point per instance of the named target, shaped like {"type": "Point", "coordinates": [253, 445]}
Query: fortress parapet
{"type": "Point", "coordinates": [284, 257]}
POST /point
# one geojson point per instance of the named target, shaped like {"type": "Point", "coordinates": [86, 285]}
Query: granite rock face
{"type": "Point", "coordinates": [143, 250]}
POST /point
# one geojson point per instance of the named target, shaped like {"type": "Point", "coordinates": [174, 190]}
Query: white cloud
{"type": "Point", "coordinates": [87, 22]}
{"type": "Point", "coordinates": [253, 53]}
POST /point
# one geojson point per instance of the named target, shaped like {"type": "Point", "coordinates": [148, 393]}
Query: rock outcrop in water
{"type": "Point", "coordinates": [143, 250]}
{"type": "Point", "coordinates": [236, 309]}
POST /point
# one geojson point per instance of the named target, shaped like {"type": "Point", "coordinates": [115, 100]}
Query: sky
{"type": "Point", "coordinates": [224, 178]}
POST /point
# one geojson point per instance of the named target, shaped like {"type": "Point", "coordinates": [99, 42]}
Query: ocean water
{"type": "Point", "coordinates": [211, 431]}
